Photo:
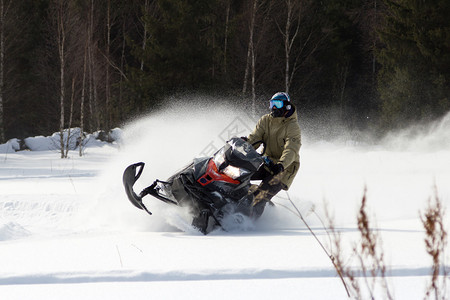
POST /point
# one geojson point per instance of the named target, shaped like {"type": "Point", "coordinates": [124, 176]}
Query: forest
{"type": "Point", "coordinates": [94, 64]}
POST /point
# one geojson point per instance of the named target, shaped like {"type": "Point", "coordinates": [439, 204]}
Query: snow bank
{"type": "Point", "coordinates": [10, 146]}
{"type": "Point", "coordinates": [12, 230]}
{"type": "Point", "coordinates": [70, 137]}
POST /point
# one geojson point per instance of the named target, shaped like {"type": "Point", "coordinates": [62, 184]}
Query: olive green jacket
{"type": "Point", "coordinates": [282, 138]}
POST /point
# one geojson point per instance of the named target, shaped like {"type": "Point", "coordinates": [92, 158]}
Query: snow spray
{"type": "Point", "coordinates": [398, 171]}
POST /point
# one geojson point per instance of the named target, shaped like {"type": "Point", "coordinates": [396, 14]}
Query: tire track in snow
{"type": "Point", "coordinates": [133, 276]}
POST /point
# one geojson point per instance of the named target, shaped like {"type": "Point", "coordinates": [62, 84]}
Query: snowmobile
{"type": "Point", "coordinates": [211, 187]}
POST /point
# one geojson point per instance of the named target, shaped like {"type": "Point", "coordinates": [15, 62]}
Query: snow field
{"type": "Point", "coordinates": [67, 230]}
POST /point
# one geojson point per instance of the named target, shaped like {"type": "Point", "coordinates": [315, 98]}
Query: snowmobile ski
{"type": "Point", "coordinates": [130, 176]}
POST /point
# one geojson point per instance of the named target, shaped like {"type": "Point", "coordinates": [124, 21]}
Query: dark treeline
{"type": "Point", "coordinates": [95, 63]}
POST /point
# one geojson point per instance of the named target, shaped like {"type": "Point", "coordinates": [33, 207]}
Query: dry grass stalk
{"type": "Point", "coordinates": [338, 259]}
{"type": "Point", "coordinates": [435, 243]}
{"type": "Point", "coordinates": [370, 257]}
{"type": "Point", "coordinates": [369, 252]}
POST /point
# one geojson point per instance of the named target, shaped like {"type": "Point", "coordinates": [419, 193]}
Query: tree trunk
{"type": "Point", "coordinates": [108, 120]}
{"type": "Point", "coordinates": [122, 64]}
{"type": "Point", "coordinates": [2, 66]}
{"type": "Point", "coordinates": [227, 21]}
{"type": "Point", "coordinates": [374, 60]}
{"type": "Point", "coordinates": [94, 117]}
{"type": "Point", "coordinates": [72, 99]}
{"type": "Point", "coordinates": [293, 8]}
{"type": "Point", "coordinates": [61, 51]}
{"type": "Point", "coordinates": [83, 95]}
{"type": "Point", "coordinates": [287, 49]}
{"type": "Point", "coordinates": [91, 90]}
{"type": "Point", "coordinates": [343, 85]}
{"type": "Point", "coordinates": [250, 46]}
{"type": "Point", "coordinates": [253, 82]}
{"type": "Point", "coordinates": [144, 39]}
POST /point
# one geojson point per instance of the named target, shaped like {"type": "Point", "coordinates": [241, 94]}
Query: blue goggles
{"type": "Point", "coordinates": [276, 103]}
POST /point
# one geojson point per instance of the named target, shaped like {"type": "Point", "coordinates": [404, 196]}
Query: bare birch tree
{"type": "Point", "coordinates": [250, 47]}
{"type": "Point", "coordinates": [64, 33]}
{"type": "Point", "coordinates": [72, 100]}
{"type": "Point", "coordinates": [107, 79]}
{"type": "Point", "coordinates": [259, 8]}
{"type": "Point", "coordinates": [144, 25]}
{"type": "Point", "coordinates": [92, 47]}
{"type": "Point", "coordinates": [227, 26]}
{"type": "Point", "coordinates": [290, 33]}
{"type": "Point", "coordinates": [83, 95]}
{"type": "Point", "coordinates": [301, 39]}
{"type": "Point", "coordinates": [60, 14]}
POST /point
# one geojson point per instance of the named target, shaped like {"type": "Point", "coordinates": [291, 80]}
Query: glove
{"type": "Point", "coordinates": [277, 168]}
{"type": "Point", "coordinates": [244, 138]}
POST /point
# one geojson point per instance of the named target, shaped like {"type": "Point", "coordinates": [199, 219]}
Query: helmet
{"type": "Point", "coordinates": [281, 96]}
{"type": "Point", "coordinates": [280, 104]}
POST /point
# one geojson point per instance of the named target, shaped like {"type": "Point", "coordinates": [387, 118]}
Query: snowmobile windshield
{"type": "Point", "coordinates": [239, 154]}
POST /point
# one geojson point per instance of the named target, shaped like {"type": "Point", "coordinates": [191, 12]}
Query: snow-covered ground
{"type": "Point", "coordinates": [67, 230]}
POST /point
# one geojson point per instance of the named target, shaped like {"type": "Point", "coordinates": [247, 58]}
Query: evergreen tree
{"type": "Point", "coordinates": [26, 107]}
{"type": "Point", "coordinates": [414, 81]}
{"type": "Point", "coordinates": [344, 62]}
{"type": "Point", "coordinates": [178, 53]}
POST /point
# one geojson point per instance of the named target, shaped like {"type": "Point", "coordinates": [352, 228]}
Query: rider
{"type": "Point", "coordinates": [280, 132]}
